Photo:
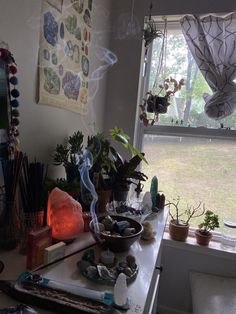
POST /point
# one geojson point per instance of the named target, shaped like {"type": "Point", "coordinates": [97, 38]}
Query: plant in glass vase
{"type": "Point", "coordinates": [155, 104]}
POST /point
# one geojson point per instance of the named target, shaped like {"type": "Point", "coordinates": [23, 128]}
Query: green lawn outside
{"type": "Point", "coordinates": [196, 170]}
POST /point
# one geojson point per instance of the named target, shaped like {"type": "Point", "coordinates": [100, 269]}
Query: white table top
{"type": "Point", "coordinates": [139, 291]}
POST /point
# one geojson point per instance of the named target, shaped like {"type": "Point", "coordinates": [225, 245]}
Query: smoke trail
{"type": "Point", "coordinates": [85, 163]}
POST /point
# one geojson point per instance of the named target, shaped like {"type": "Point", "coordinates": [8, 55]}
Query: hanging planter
{"type": "Point", "coordinates": [154, 105]}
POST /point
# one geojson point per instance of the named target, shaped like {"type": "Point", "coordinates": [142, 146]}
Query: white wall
{"type": "Point", "coordinates": [178, 259]}
{"type": "Point", "coordinates": [42, 127]}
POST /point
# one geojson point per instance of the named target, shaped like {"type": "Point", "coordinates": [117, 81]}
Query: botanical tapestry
{"type": "Point", "coordinates": [64, 54]}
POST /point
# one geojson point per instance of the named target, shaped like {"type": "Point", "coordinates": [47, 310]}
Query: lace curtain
{"type": "Point", "coordinates": [212, 42]}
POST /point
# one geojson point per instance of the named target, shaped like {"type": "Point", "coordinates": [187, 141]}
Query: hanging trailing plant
{"type": "Point", "coordinates": [158, 99]}
{"type": "Point", "coordinates": [153, 105]}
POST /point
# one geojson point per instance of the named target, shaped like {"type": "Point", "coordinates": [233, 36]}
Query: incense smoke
{"type": "Point", "coordinates": [85, 163]}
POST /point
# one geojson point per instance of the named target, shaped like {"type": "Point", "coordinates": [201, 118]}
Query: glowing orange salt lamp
{"type": "Point", "coordinates": [64, 216]}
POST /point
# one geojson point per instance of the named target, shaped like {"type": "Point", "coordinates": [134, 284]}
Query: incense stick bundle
{"type": "Point", "coordinates": [31, 185]}
{"type": "Point", "coordinates": [11, 174]}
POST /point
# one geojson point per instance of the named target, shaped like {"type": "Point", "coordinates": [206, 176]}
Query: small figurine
{"type": "Point", "coordinates": [148, 233]}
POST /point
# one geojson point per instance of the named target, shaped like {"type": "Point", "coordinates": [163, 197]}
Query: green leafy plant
{"type": "Point", "coordinates": [66, 155]}
{"type": "Point", "coordinates": [183, 217]}
{"type": "Point", "coordinates": [101, 151]}
{"type": "Point", "coordinates": [211, 221]}
{"type": "Point", "coordinates": [121, 137]}
{"type": "Point", "coordinates": [125, 172]}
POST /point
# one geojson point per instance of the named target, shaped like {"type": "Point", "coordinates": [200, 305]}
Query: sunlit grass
{"type": "Point", "coordinates": [197, 171]}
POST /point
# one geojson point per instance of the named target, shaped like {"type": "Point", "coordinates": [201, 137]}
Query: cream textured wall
{"type": "Point", "coordinates": [42, 127]}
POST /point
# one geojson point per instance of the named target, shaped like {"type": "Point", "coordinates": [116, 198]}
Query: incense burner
{"type": "Point", "coordinates": [116, 241]}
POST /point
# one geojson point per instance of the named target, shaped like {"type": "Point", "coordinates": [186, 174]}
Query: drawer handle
{"type": "Point", "coordinates": [159, 268]}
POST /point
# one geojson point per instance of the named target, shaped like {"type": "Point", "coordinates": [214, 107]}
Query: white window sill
{"type": "Point", "coordinates": [190, 244]}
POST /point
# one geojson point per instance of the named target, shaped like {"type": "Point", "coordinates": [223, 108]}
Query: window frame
{"type": "Point", "coordinates": [172, 130]}
{"type": "Point", "coordinates": [181, 131]}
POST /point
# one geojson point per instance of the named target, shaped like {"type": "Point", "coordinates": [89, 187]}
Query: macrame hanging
{"type": "Point", "coordinates": [158, 98]}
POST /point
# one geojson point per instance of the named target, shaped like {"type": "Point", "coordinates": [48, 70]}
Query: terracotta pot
{"type": "Point", "coordinates": [203, 239]}
{"type": "Point", "coordinates": [178, 232]}
{"type": "Point", "coordinates": [104, 197]}
{"type": "Point", "coordinates": [120, 195]}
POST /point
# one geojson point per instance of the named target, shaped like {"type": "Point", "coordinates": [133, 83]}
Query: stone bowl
{"type": "Point", "coordinates": [114, 243]}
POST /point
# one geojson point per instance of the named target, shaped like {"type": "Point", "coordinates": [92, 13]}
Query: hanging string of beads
{"type": "Point", "coordinates": [12, 82]}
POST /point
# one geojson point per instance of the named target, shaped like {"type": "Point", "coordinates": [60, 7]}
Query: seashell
{"type": "Point", "coordinates": [104, 272]}
{"type": "Point", "coordinates": [128, 231]}
{"type": "Point", "coordinates": [92, 271]}
{"type": "Point", "coordinates": [131, 261]}
{"type": "Point", "coordinates": [128, 271]}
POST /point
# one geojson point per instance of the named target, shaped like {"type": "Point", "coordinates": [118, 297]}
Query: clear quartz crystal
{"type": "Point", "coordinates": [120, 290]}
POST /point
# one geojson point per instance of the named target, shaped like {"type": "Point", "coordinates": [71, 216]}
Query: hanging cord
{"type": "Point", "coordinates": [131, 23]}
{"type": "Point", "coordinates": [161, 66]}
{"type": "Point", "coordinates": [150, 11]}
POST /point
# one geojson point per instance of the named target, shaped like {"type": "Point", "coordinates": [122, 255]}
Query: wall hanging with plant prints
{"type": "Point", "coordinates": [9, 142]}
{"type": "Point", "coordinates": [64, 54]}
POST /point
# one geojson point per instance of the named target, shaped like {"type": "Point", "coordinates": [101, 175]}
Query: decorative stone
{"type": "Point", "coordinates": [131, 261]}
{"type": "Point", "coordinates": [83, 265]}
{"type": "Point", "coordinates": [148, 233]}
{"type": "Point", "coordinates": [120, 226]}
{"type": "Point", "coordinates": [123, 264]}
{"type": "Point", "coordinates": [89, 256]}
{"type": "Point", "coordinates": [128, 231]}
{"type": "Point", "coordinates": [128, 271]}
{"type": "Point", "coordinates": [108, 223]}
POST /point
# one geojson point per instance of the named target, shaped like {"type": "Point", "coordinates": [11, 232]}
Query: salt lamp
{"type": "Point", "coordinates": [64, 216]}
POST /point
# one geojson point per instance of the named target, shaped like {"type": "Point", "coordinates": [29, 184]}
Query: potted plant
{"type": "Point", "coordinates": [65, 154]}
{"type": "Point", "coordinates": [179, 223]}
{"type": "Point", "coordinates": [100, 149]}
{"type": "Point", "coordinates": [158, 104]}
{"type": "Point", "coordinates": [203, 234]}
{"type": "Point", "coordinates": [124, 174]}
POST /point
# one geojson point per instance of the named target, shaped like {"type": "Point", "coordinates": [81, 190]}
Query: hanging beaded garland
{"type": "Point", "coordinates": [13, 133]}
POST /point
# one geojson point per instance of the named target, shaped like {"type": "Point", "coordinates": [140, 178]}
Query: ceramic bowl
{"type": "Point", "coordinates": [114, 243]}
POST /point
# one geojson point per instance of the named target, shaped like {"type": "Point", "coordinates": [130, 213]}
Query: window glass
{"type": "Point", "coordinates": [187, 106]}
{"type": "Point", "coordinates": [196, 169]}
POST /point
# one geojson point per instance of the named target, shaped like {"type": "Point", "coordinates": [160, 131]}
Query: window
{"type": "Point", "coordinates": [193, 156]}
